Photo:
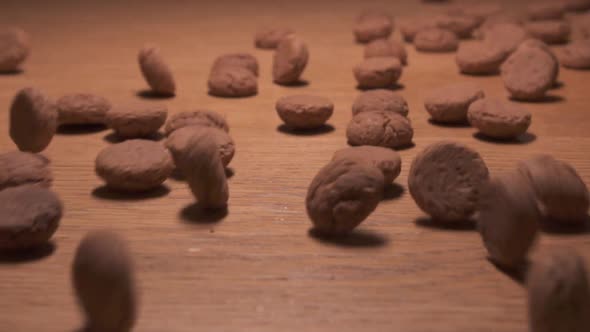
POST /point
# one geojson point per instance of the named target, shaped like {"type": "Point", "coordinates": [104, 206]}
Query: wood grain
{"type": "Point", "coordinates": [257, 269]}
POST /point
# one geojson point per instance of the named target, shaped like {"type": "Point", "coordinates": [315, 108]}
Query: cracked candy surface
{"type": "Point", "coordinates": [82, 108]}
{"type": "Point", "coordinates": [199, 117]}
{"type": "Point", "coordinates": [304, 111]}
{"type": "Point", "coordinates": [19, 168]}
{"type": "Point", "coordinates": [178, 143]}
{"type": "Point", "coordinates": [136, 120]}
{"type": "Point", "coordinates": [387, 160]}
{"type": "Point", "coordinates": [499, 119]}
{"type": "Point", "coordinates": [245, 60]}
{"type": "Point", "coordinates": [232, 81]}
{"type": "Point", "coordinates": [380, 100]}
{"type": "Point", "coordinates": [449, 103]}
{"type": "Point", "coordinates": [386, 129]}
{"type": "Point", "coordinates": [289, 60]}
{"type": "Point", "coordinates": [378, 72]}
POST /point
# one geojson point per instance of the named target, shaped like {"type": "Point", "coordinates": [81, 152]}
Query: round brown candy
{"type": "Point", "coordinates": [178, 143]}
{"type": "Point", "coordinates": [386, 129]}
{"type": "Point", "coordinates": [514, 19]}
{"type": "Point", "coordinates": [387, 160]}
{"type": "Point", "coordinates": [445, 180]}
{"type": "Point", "coordinates": [342, 195]}
{"type": "Point", "coordinates": [196, 118]}
{"type": "Point", "coordinates": [290, 60]}
{"type": "Point", "coordinates": [18, 168]}
{"type": "Point", "coordinates": [506, 36]}
{"type": "Point", "coordinates": [104, 282]}
{"type": "Point", "coordinates": [436, 40]}
{"type": "Point", "coordinates": [380, 100]}
{"type": "Point", "coordinates": [558, 292]}
{"type": "Point", "coordinates": [232, 81]}
{"type": "Point", "coordinates": [386, 48]}
{"type": "Point", "coordinates": [561, 192]}
{"type": "Point", "coordinates": [33, 120]}
{"type": "Point", "coordinates": [460, 25]}
{"type": "Point", "coordinates": [136, 120]}
{"type": "Point", "coordinates": [449, 104]}
{"type": "Point", "coordinates": [82, 109]}
{"type": "Point", "coordinates": [30, 216]}
{"type": "Point", "coordinates": [545, 10]}
{"type": "Point", "coordinates": [498, 119]}
{"type": "Point", "coordinates": [378, 73]}
{"type": "Point", "coordinates": [304, 111]}
{"type": "Point", "coordinates": [134, 165]}
{"type": "Point", "coordinates": [15, 48]}
{"type": "Point", "coordinates": [372, 25]}
{"type": "Point", "coordinates": [508, 218]}
{"type": "Point", "coordinates": [410, 27]}
{"type": "Point", "coordinates": [479, 11]}
{"type": "Point", "coordinates": [482, 58]}
{"type": "Point", "coordinates": [532, 42]}
{"type": "Point", "coordinates": [156, 71]}
{"type": "Point", "coordinates": [529, 73]}
{"type": "Point", "coordinates": [550, 31]}
{"type": "Point", "coordinates": [270, 37]}
{"type": "Point", "coordinates": [576, 55]}
{"type": "Point", "coordinates": [245, 60]}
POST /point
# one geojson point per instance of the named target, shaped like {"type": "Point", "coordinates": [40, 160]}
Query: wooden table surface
{"type": "Point", "coordinates": [258, 269]}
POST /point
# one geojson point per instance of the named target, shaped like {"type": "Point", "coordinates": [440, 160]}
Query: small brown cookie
{"type": "Point", "coordinates": [479, 11]}
{"type": "Point", "coordinates": [30, 216]}
{"type": "Point", "coordinates": [576, 5]}
{"type": "Point", "coordinates": [508, 218]}
{"type": "Point", "coordinates": [380, 100]}
{"type": "Point", "coordinates": [104, 282]}
{"type": "Point", "coordinates": [532, 42]}
{"type": "Point", "coordinates": [461, 25]}
{"type": "Point", "coordinates": [512, 18]}
{"type": "Point", "coordinates": [136, 120]}
{"type": "Point", "coordinates": [482, 58]}
{"type": "Point", "coordinates": [529, 73]}
{"type": "Point", "coordinates": [506, 36]}
{"type": "Point", "coordinates": [410, 27]}
{"type": "Point", "coordinates": [204, 171]}
{"type": "Point", "coordinates": [342, 195]}
{"type": "Point", "coordinates": [386, 129]}
{"type": "Point", "coordinates": [546, 10]}
{"type": "Point", "coordinates": [304, 111]}
{"type": "Point", "coordinates": [561, 192]}
{"type": "Point", "coordinates": [498, 119]}
{"type": "Point", "coordinates": [387, 160]}
{"type": "Point", "coordinates": [178, 142]}
{"type": "Point", "coordinates": [378, 73]}
{"type": "Point", "coordinates": [134, 165]}
{"type": "Point", "coordinates": [156, 71]}
{"type": "Point", "coordinates": [449, 104]}
{"type": "Point", "coordinates": [232, 81]}
{"type": "Point", "coordinates": [386, 48]}
{"type": "Point", "coordinates": [15, 47]}
{"type": "Point", "coordinates": [18, 168]}
{"type": "Point", "coordinates": [270, 37]}
{"type": "Point", "coordinates": [81, 109]}
{"type": "Point", "coordinates": [436, 40]}
{"type": "Point", "coordinates": [576, 55]}
{"type": "Point", "coordinates": [245, 60]}
{"type": "Point", "coordinates": [550, 31]}
{"type": "Point", "coordinates": [371, 25]}
{"type": "Point", "coordinates": [290, 60]}
{"type": "Point", "coordinates": [196, 118]}
{"type": "Point", "coordinates": [558, 293]}
{"type": "Point", "coordinates": [445, 180]}
{"type": "Point", "coordinates": [33, 120]}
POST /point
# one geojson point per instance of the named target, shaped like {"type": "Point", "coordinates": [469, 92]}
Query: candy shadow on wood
{"type": "Point", "coordinates": [559, 228]}
{"type": "Point", "coordinates": [393, 191]}
{"type": "Point", "coordinates": [449, 125]}
{"type": "Point", "coordinates": [150, 94]}
{"type": "Point", "coordinates": [209, 93]}
{"type": "Point", "coordinates": [325, 129]}
{"type": "Point", "coordinates": [467, 225]}
{"type": "Point", "coordinates": [489, 74]}
{"type": "Point", "coordinates": [114, 139]}
{"type": "Point", "coordinates": [298, 84]}
{"type": "Point", "coordinates": [103, 192]}
{"type": "Point", "coordinates": [395, 87]}
{"type": "Point", "coordinates": [11, 72]}
{"type": "Point", "coordinates": [558, 85]}
{"type": "Point", "coordinates": [355, 239]}
{"type": "Point", "coordinates": [518, 274]}
{"type": "Point", "coordinates": [29, 255]}
{"type": "Point", "coordinates": [525, 138]}
{"type": "Point", "coordinates": [547, 99]}
{"type": "Point", "coordinates": [196, 214]}
{"type": "Point", "coordinates": [82, 129]}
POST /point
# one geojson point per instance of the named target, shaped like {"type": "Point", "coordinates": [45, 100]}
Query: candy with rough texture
{"type": "Point", "coordinates": [508, 218]}
{"type": "Point", "coordinates": [386, 129]}
{"type": "Point", "coordinates": [134, 166]}
{"type": "Point", "coordinates": [506, 36]}
{"type": "Point", "coordinates": [178, 143]}
{"type": "Point", "coordinates": [550, 31]}
{"type": "Point", "coordinates": [461, 25]}
{"type": "Point", "coordinates": [386, 48]}
{"type": "Point", "coordinates": [136, 120]}
{"type": "Point", "coordinates": [245, 60]}
{"type": "Point", "coordinates": [546, 10]}
{"type": "Point", "coordinates": [378, 73]}
{"type": "Point", "coordinates": [561, 192]}
{"type": "Point", "coordinates": [387, 160]}
{"type": "Point", "coordinates": [481, 58]}
{"type": "Point", "coordinates": [156, 71]}
{"type": "Point", "coordinates": [82, 109]}
{"type": "Point", "coordinates": [290, 60]}
{"type": "Point", "coordinates": [270, 37]}
{"type": "Point", "coordinates": [371, 25]}
{"type": "Point", "coordinates": [499, 119]}
{"type": "Point", "coordinates": [30, 216]}
{"type": "Point", "coordinates": [33, 120]}
{"type": "Point", "coordinates": [342, 195]}
{"type": "Point", "coordinates": [410, 27]}
{"type": "Point", "coordinates": [532, 42]}
{"type": "Point", "coordinates": [576, 55]}
{"type": "Point", "coordinates": [449, 103]}
{"type": "Point", "coordinates": [558, 293]}
{"type": "Point", "coordinates": [232, 81]}
{"type": "Point", "coordinates": [380, 100]}
{"type": "Point", "coordinates": [529, 73]}
{"type": "Point", "coordinates": [304, 111]}
{"type": "Point", "coordinates": [445, 181]}
{"type": "Point", "coordinates": [18, 168]}
{"type": "Point", "coordinates": [104, 282]}
{"type": "Point", "coordinates": [196, 118]}
{"type": "Point", "coordinates": [15, 47]}
{"type": "Point", "coordinates": [436, 40]}
{"type": "Point", "coordinates": [512, 18]}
